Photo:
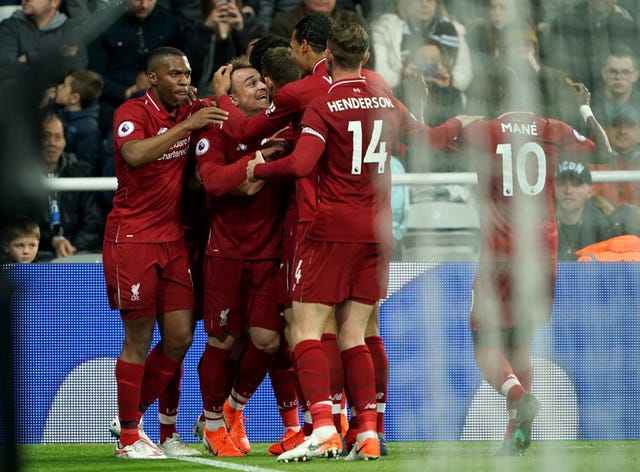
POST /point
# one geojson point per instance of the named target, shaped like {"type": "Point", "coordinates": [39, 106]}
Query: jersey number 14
{"type": "Point", "coordinates": [376, 150]}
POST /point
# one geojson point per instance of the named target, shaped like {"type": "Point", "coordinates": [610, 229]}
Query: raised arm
{"type": "Point", "coordinates": [596, 132]}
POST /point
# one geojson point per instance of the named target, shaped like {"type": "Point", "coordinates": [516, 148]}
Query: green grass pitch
{"type": "Point", "coordinates": [431, 456]}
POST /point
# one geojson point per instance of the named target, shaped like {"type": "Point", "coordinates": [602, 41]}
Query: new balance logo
{"type": "Point", "coordinates": [371, 406]}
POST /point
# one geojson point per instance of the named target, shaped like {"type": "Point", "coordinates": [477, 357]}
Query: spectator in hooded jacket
{"type": "Point", "coordinates": [39, 33]}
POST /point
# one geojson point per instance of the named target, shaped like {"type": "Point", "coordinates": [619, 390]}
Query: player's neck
{"type": "Point", "coordinates": [339, 73]}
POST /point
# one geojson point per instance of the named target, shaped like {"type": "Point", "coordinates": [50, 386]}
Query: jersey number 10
{"type": "Point", "coordinates": [526, 152]}
{"type": "Point", "coordinates": [376, 150]}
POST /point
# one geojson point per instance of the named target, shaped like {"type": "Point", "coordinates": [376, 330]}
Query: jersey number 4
{"type": "Point", "coordinates": [376, 150]}
{"type": "Point", "coordinates": [522, 163]}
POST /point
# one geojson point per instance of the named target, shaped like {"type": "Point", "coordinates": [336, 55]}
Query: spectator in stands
{"type": "Point", "coordinates": [284, 23]}
{"type": "Point", "coordinates": [416, 22]}
{"type": "Point", "coordinates": [77, 96]}
{"type": "Point", "coordinates": [551, 88]}
{"type": "Point", "coordinates": [428, 89]}
{"type": "Point", "coordinates": [619, 78]}
{"type": "Point", "coordinates": [71, 222]}
{"type": "Point", "coordinates": [623, 131]}
{"type": "Point", "coordinates": [486, 35]}
{"type": "Point", "coordinates": [580, 221]}
{"type": "Point", "coordinates": [120, 52]}
{"type": "Point", "coordinates": [222, 32]}
{"type": "Point", "coordinates": [39, 33]}
{"type": "Point", "coordinates": [269, 9]}
{"type": "Point", "coordinates": [584, 34]}
{"type": "Point", "coordinates": [20, 241]}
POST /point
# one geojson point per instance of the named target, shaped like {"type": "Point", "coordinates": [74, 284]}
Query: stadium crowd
{"type": "Point", "coordinates": [234, 182]}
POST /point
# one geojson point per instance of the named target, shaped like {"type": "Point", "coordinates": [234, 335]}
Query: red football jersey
{"type": "Point", "coordinates": [349, 134]}
{"type": "Point", "coordinates": [516, 155]}
{"type": "Point", "coordinates": [146, 206]}
{"type": "Point", "coordinates": [288, 106]}
{"type": "Point", "coordinates": [242, 226]}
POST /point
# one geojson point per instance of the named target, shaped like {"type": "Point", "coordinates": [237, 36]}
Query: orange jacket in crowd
{"type": "Point", "coordinates": [624, 248]}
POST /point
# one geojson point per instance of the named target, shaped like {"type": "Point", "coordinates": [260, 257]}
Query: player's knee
{"type": "Point", "coordinates": [269, 343]}
{"type": "Point", "coordinates": [178, 343]}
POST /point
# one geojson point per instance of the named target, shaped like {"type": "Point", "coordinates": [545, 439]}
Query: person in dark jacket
{"type": "Point", "coordinates": [70, 222]}
{"type": "Point", "coordinates": [119, 54]}
{"type": "Point", "coordinates": [39, 33]}
{"type": "Point", "coordinates": [222, 32]}
{"type": "Point", "coordinates": [580, 222]}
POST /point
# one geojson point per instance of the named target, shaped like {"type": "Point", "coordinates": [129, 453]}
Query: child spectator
{"type": "Point", "coordinates": [20, 241]}
{"type": "Point", "coordinates": [78, 96]}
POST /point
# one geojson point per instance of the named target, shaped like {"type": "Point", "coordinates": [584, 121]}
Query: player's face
{"type": "Point", "coordinates": [572, 193]}
{"type": "Point", "coordinates": [53, 141]}
{"type": "Point", "coordinates": [619, 75]}
{"type": "Point", "coordinates": [502, 12]}
{"type": "Point", "coordinates": [39, 8]}
{"type": "Point", "coordinates": [141, 8]}
{"type": "Point", "coordinates": [23, 249]}
{"type": "Point", "coordinates": [320, 6]}
{"type": "Point", "coordinates": [170, 81]}
{"type": "Point", "coordinates": [297, 54]}
{"type": "Point", "coordinates": [63, 92]}
{"type": "Point", "coordinates": [248, 91]}
{"type": "Point", "coordinates": [623, 135]}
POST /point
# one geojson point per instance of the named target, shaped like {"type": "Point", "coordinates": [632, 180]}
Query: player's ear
{"type": "Point", "coordinates": [304, 46]}
{"type": "Point", "coordinates": [153, 78]}
{"type": "Point", "coordinates": [366, 58]}
{"type": "Point", "coordinates": [234, 99]}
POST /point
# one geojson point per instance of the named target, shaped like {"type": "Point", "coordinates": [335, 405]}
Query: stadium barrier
{"type": "Point", "coordinates": [587, 373]}
{"type": "Point", "coordinates": [433, 178]}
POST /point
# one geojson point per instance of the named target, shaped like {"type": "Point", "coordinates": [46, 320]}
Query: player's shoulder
{"type": "Point", "coordinates": [376, 80]}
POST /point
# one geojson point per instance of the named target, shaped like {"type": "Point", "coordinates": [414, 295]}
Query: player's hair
{"type": "Point", "coordinates": [262, 45]}
{"type": "Point", "coordinates": [20, 226]}
{"type": "Point", "coordinates": [238, 63]}
{"type": "Point", "coordinates": [349, 43]}
{"type": "Point", "coordinates": [156, 56]}
{"type": "Point", "coordinates": [88, 84]}
{"type": "Point", "coordinates": [315, 29]}
{"type": "Point", "coordinates": [279, 66]}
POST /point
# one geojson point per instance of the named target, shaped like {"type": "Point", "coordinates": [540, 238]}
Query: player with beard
{"type": "Point", "coordinates": [342, 255]}
{"type": "Point", "coordinates": [241, 262]}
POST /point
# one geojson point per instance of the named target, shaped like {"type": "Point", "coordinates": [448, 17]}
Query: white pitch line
{"type": "Point", "coordinates": [224, 465]}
